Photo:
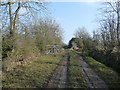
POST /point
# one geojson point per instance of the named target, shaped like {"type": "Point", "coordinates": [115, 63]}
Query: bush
{"type": "Point", "coordinates": [24, 49]}
{"type": "Point", "coordinates": [8, 42]}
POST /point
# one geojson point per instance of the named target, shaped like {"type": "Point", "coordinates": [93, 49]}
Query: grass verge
{"type": "Point", "coordinates": [33, 75]}
{"type": "Point", "coordinates": [111, 78]}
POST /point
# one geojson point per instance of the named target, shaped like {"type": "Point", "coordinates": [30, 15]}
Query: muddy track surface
{"type": "Point", "coordinates": [92, 79]}
{"type": "Point", "coordinates": [59, 77]}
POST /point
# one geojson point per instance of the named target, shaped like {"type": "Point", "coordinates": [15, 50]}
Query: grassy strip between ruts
{"type": "Point", "coordinates": [33, 75]}
{"type": "Point", "coordinates": [111, 78]}
{"type": "Point", "coordinates": [75, 76]}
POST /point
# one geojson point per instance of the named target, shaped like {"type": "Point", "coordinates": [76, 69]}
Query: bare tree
{"type": "Point", "coordinates": [113, 12]}
{"type": "Point", "coordinates": [11, 11]}
{"type": "Point", "coordinates": [97, 40]}
{"type": "Point", "coordinates": [84, 39]}
{"type": "Point", "coordinates": [108, 32]}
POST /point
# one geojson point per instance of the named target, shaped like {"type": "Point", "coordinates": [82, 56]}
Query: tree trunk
{"type": "Point", "coordinates": [11, 19]}
{"type": "Point", "coordinates": [16, 16]}
{"type": "Point", "coordinates": [118, 29]}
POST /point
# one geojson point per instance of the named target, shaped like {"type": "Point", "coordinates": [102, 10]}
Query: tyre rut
{"type": "Point", "coordinates": [92, 79]}
{"type": "Point", "coordinates": [59, 77]}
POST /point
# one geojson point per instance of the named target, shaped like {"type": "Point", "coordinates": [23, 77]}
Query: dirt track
{"type": "Point", "coordinates": [59, 77]}
{"type": "Point", "coordinates": [92, 79]}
